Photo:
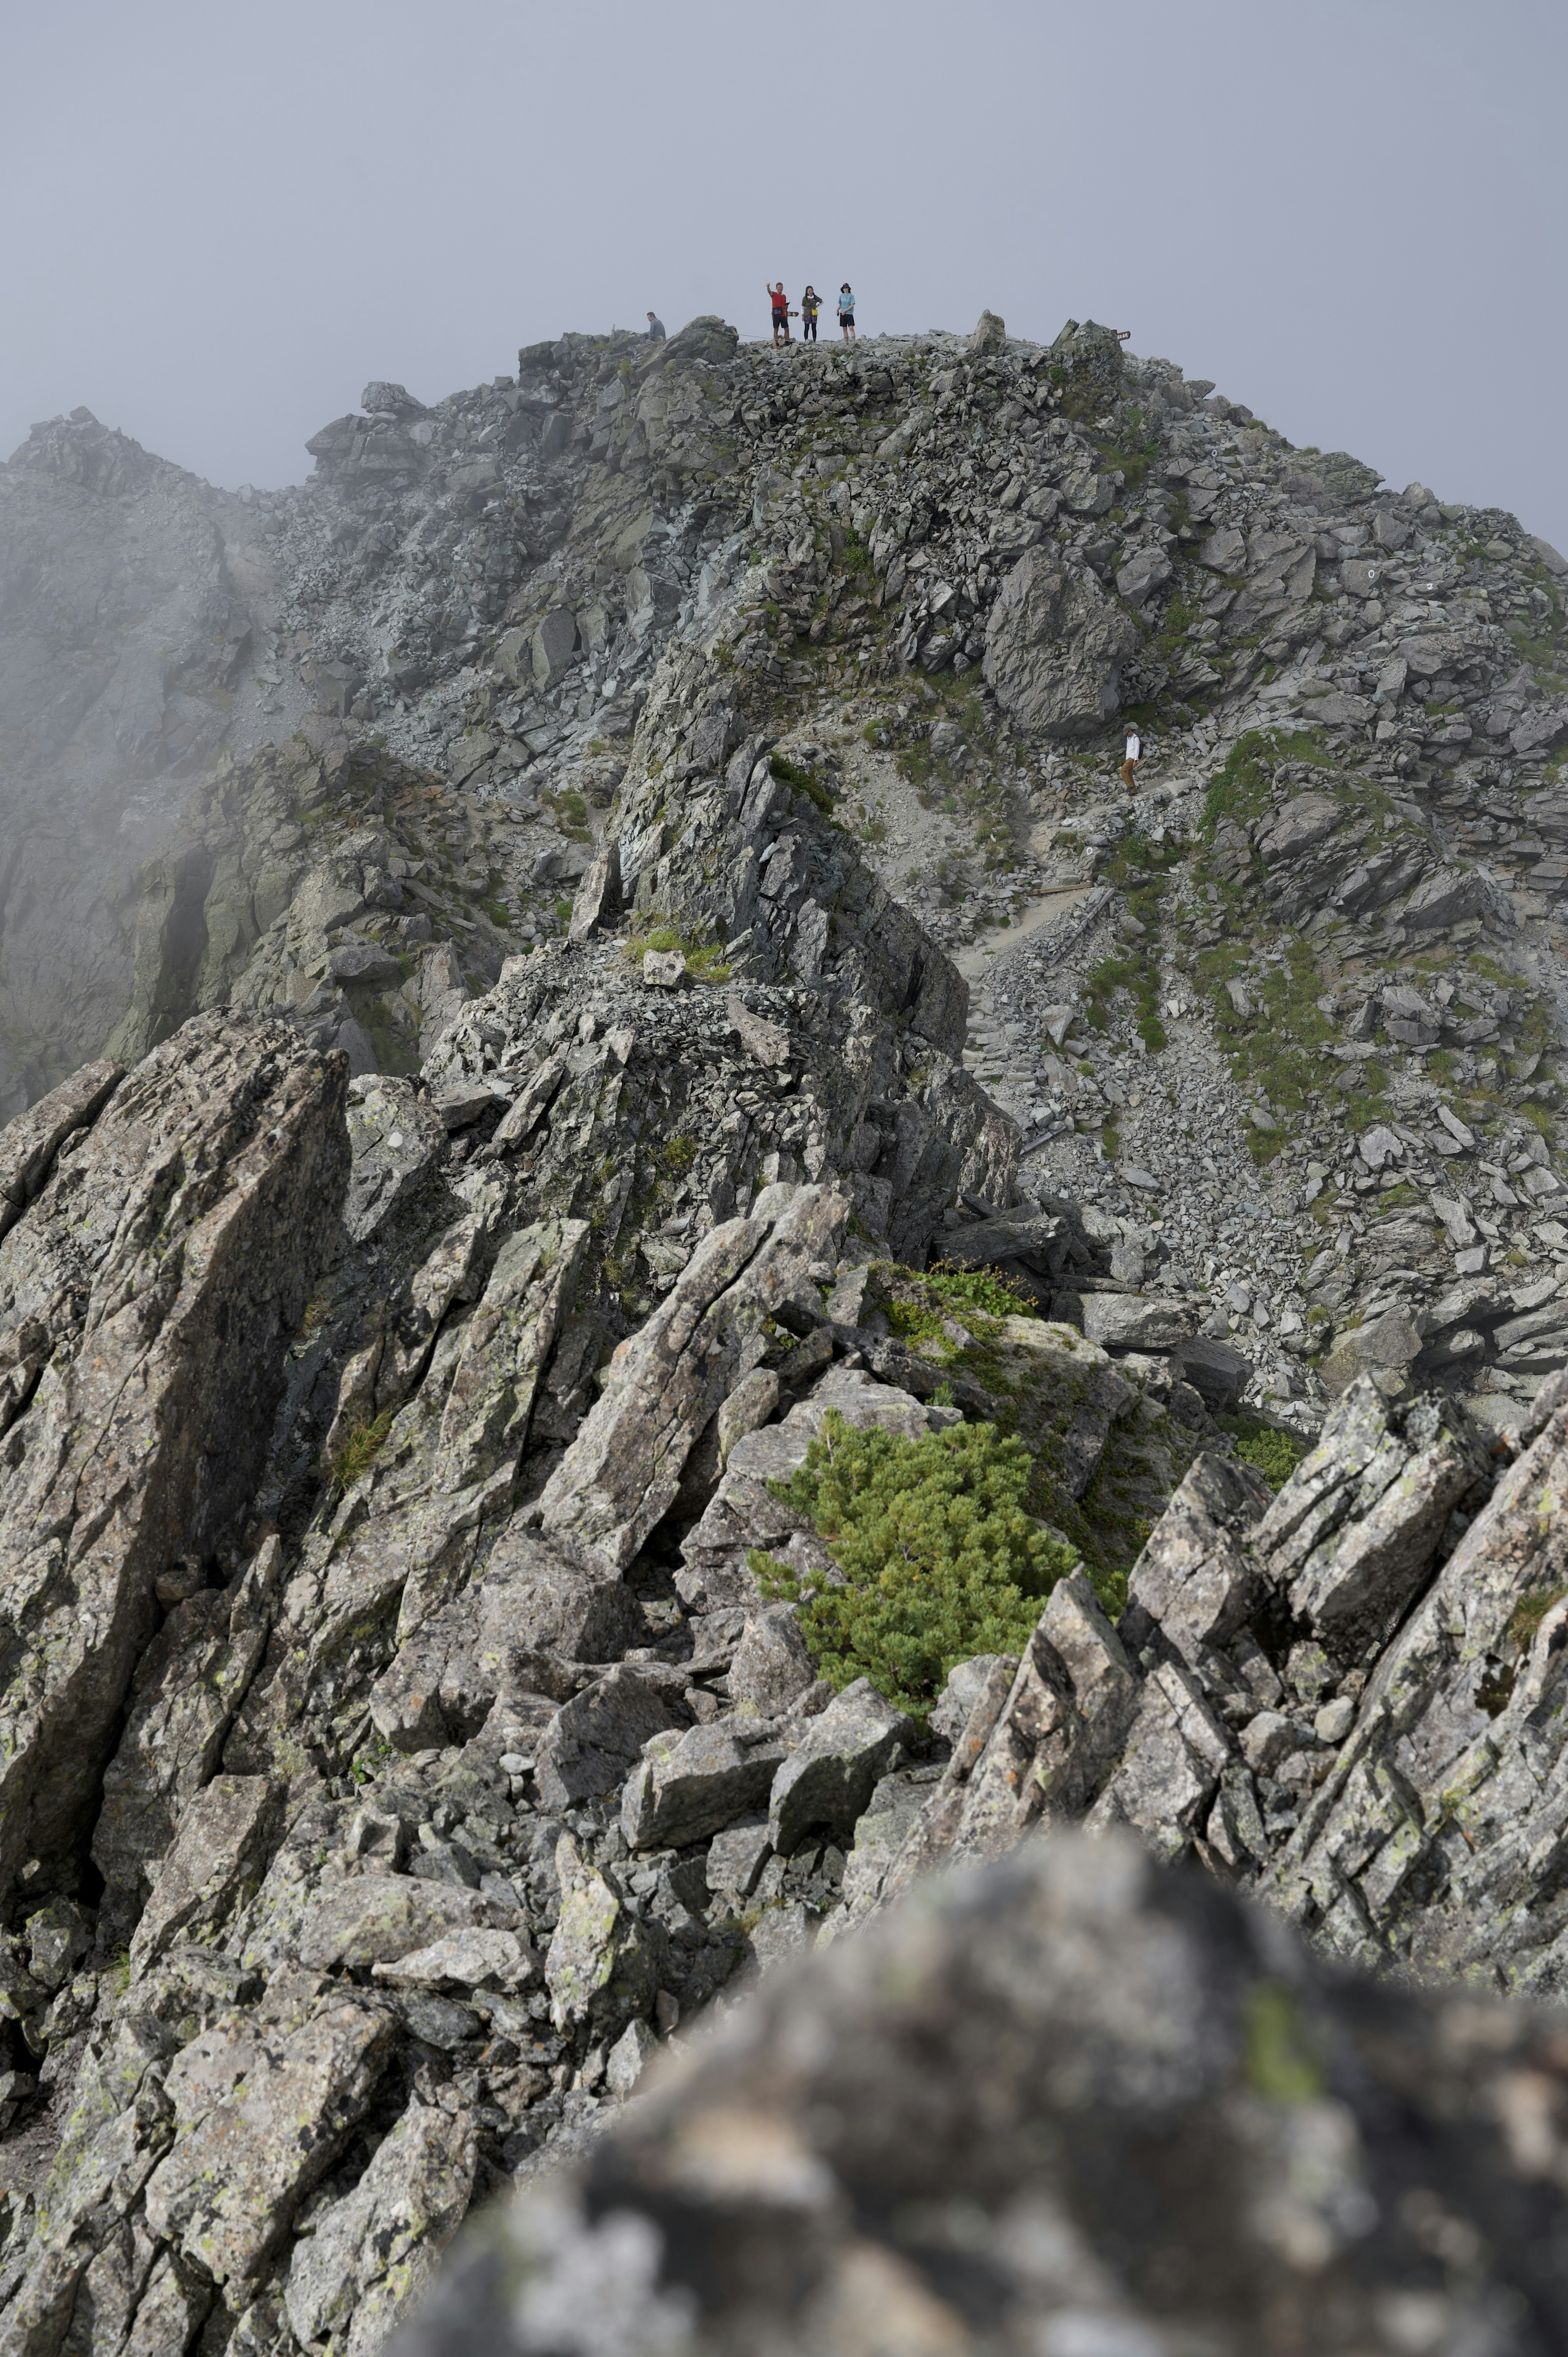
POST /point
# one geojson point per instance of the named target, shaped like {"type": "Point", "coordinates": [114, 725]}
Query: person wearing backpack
{"type": "Point", "coordinates": [846, 311]}
{"type": "Point", "coordinates": [811, 304]}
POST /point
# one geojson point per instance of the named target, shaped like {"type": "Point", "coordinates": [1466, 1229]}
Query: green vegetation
{"type": "Point", "coordinates": [1279, 2059]}
{"type": "Point", "coordinates": [939, 1560]}
{"type": "Point", "coordinates": [359, 1450]}
{"type": "Point", "coordinates": [1529, 1612]}
{"type": "Point", "coordinates": [978, 1298]}
{"type": "Point", "coordinates": [805, 782]}
{"type": "Point", "coordinates": [1275, 1453]}
{"type": "Point", "coordinates": [705, 961]}
{"type": "Point", "coordinates": [1240, 789]}
{"type": "Point", "coordinates": [678, 1155]}
{"type": "Point", "coordinates": [1140, 868]}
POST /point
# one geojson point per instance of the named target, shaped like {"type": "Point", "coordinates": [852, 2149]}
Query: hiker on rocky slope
{"type": "Point", "coordinates": [846, 311]}
{"type": "Point", "coordinates": [655, 328]}
{"type": "Point", "coordinates": [811, 304]}
{"type": "Point", "coordinates": [1130, 761]}
{"type": "Point", "coordinates": [780, 302]}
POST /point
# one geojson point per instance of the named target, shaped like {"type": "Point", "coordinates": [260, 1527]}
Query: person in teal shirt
{"type": "Point", "coordinates": [847, 312]}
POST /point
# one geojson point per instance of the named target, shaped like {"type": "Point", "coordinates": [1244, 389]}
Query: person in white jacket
{"type": "Point", "coordinates": [1130, 761]}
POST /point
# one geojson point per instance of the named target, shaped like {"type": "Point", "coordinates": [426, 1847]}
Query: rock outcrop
{"type": "Point", "coordinates": [930, 2138]}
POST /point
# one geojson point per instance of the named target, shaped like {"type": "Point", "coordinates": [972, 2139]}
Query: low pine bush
{"type": "Point", "coordinates": [937, 1558]}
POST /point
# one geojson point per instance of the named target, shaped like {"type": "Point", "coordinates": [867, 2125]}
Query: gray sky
{"type": "Point", "coordinates": [216, 222]}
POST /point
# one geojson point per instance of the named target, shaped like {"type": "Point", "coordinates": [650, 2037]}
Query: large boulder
{"type": "Point", "coordinates": [1055, 645]}
{"type": "Point", "coordinates": [1064, 2104]}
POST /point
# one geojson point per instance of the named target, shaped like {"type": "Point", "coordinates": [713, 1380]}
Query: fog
{"type": "Point", "coordinates": [218, 223]}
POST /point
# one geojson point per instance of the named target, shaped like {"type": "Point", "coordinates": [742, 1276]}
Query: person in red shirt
{"type": "Point", "coordinates": [781, 303]}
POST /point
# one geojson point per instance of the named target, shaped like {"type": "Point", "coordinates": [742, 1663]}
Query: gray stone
{"type": "Point", "coordinates": [146, 1435]}
{"type": "Point", "coordinates": [772, 1668]}
{"type": "Point", "coordinates": [1352, 1535]}
{"type": "Point", "coordinates": [1019, 2041]}
{"type": "Point", "coordinates": [690, 1785]}
{"type": "Point", "coordinates": [1054, 647]}
{"type": "Point", "coordinates": [593, 1740]}
{"type": "Point", "coordinates": [1136, 1321]}
{"type": "Point", "coordinates": [965, 1682]}
{"type": "Point", "coordinates": [375, 1919]}
{"type": "Point", "coordinates": [605, 1964]}
{"type": "Point", "coordinates": [1197, 1576]}
{"type": "Point", "coordinates": [1216, 1371]}
{"type": "Point", "coordinates": [624, 1468]}
{"type": "Point", "coordinates": [368, 2258]}
{"type": "Point", "coordinates": [828, 1778]}
{"type": "Point", "coordinates": [736, 1856]}
{"type": "Point", "coordinates": [223, 1849]}
{"type": "Point", "coordinates": [239, 2164]}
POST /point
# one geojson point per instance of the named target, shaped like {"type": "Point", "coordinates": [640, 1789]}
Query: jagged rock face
{"type": "Point", "coordinates": [1016, 2050]}
{"type": "Point", "coordinates": [147, 1291]}
{"type": "Point", "coordinates": [1054, 648]}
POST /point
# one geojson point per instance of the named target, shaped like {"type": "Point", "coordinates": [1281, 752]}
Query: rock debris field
{"type": "Point", "coordinates": [718, 1381]}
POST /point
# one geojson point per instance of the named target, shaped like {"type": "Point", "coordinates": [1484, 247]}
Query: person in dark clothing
{"type": "Point", "coordinates": [811, 304]}
{"type": "Point", "coordinates": [655, 328]}
{"type": "Point", "coordinates": [781, 303]}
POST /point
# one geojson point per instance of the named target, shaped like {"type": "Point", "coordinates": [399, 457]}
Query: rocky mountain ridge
{"type": "Point", "coordinates": [656, 977]}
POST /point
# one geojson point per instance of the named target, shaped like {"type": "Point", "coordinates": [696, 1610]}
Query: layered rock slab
{"type": "Point", "coordinates": [156, 1278]}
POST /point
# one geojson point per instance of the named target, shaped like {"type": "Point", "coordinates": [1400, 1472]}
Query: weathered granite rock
{"type": "Point", "coordinates": [1197, 1576]}
{"type": "Point", "coordinates": [772, 1668]}
{"type": "Point", "coordinates": [375, 1919]}
{"type": "Point", "coordinates": [166, 1258]}
{"type": "Point", "coordinates": [605, 1964]}
{"type": "Point", "coordinates": [1033, 2038]}
{"type": "Point", "coordinates": [1131, 1322]}
{"type": "Point", "coordinates": [369, 2256]}
{"type": "Point", "coordinates": [829, 1776]}
{"type": "Point", "coordinates": [592, 1741]}
{"type": "Point", "coordinates": [689, 1786]}
{"type": "Point", "coordinates": [1436, 1835]}
{"type": "Point", "coordinates": [239, 2165]}
{"type": "Point", "coordinates": [1353, 1534]}
{"type": "Point", "coordinates": [624, 1468]}
{"type": "Point", "coordinates": [226, 1839]}
{"type": "Point", "coordinates": [1055, 645]}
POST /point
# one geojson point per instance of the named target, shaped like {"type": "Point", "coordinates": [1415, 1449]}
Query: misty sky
{"type": "Point", "coordinates": [216, 222]}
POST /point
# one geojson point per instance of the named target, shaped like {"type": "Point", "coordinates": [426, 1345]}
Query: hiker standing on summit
{"type": "Point", "coordinates": [846, 311]}
{"type": "Point", "coordinates": [811, 304]}
{"type": "Point", "coordinates": [781, 303]}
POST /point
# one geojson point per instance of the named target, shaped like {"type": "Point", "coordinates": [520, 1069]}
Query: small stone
{"type": "Point", "coordinates": [663, 969]}
{"type": "Point", "coordinates": [1333, 1722]}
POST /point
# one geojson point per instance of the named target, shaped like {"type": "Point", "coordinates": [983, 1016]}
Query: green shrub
{"type": "Point", "coordinates": [1275, 1454]}
{"type": "Point", "coordinates": [938, 1557]}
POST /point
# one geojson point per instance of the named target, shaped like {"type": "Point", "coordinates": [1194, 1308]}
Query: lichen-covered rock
{"type": "Point", "coordinates": [689, 1786]}
{"type": "Point", "coordinates": [166, 1259]}
{"type": "Point", "coordinates": [624, 1468]}
{"type": "Point", "coordinates": [1055, 645]}
{"type": "Point", "coordinates": [829, 1775]}
{"type": "Point", "coordinates": [1031, 2040]}
{"type": "Point", "coordinates": [604, 1964]}
{"type": "Point", "coordinates": [368, 2258]}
